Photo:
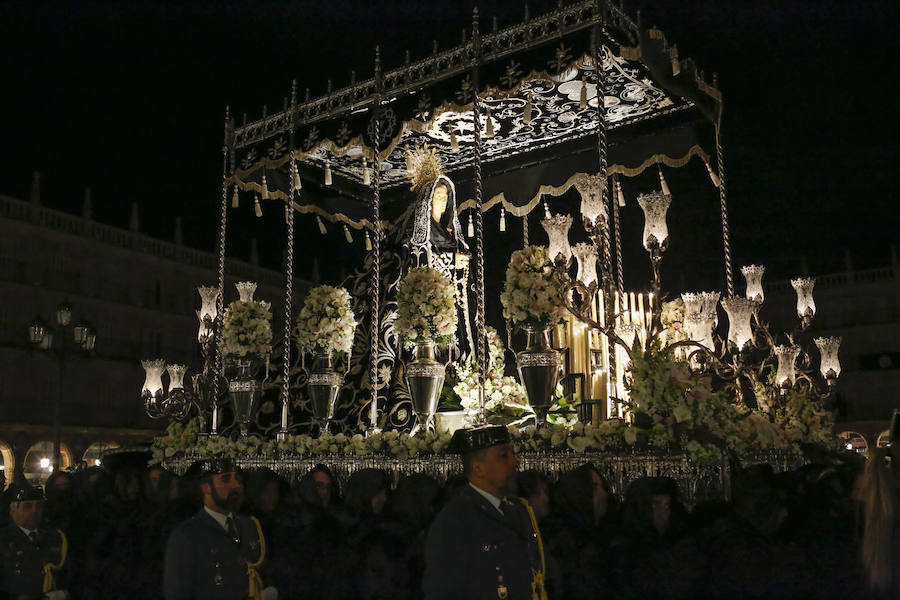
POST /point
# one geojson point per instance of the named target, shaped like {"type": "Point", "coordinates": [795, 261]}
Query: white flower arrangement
{"type": "Point", "coordinates": [326, 323]}
{"type": "Point", "coordinates": [247, 328]}
{"type": "Point", "coordinates": [426, 309]}
{"type": "Point", "coordinates": [532, 292]}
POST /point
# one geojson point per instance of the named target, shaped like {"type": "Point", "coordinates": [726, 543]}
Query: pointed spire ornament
{"type": "Point", "coordinates": [454, 143]}
{"type": "Point", "coordinates": [712, 175]}
{"type": "Point", "coordinates": [662, 182]}
{"type": "Point", "coordinates": [620, 195]}
{"type": "Point", "coordinates": [347, 234]}
{"type": "Point", "coordinates": [265, 188]}
{"type": "Point", "coordinates": [502, 219]}
{"type": "Point", "coordinates": [256, 207]}
{"type": "Point", "coordinates": [546, 210]}
{"type": "Point", "coordinates": [489, 131]}
{"type": "Point", "coordinates": [368, 242]}
{"type": "Point", "coordinates": [582, 102]}
{"type": "Point", "coordinates": [321, 224]}
{"type": "Point", "coordinates": [328, 179]}
{"type": "Point", "coordinates": [470, 230]}
{"type": "Point", "coordinates": [367, 179]}
{"type": "Point", "coordinates": [235, 198]}
{"type": "Point", "coordinates": [526, 116]}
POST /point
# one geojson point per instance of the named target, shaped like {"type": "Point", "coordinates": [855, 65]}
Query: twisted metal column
{"type": "Point", "coordinates": [723, 203]}
{"type": "Point", "coordinates": [220, 299]}
{"type": "Point", "coordinates": [289, 282]}
{"type": "Point", "coordinates": [620, 278]}
{"type": "Point", "coordinates": [374, 287]}
{"type": "Point", "coordinates": [609, 286]}
{"type": "Point", "coordinates": [480, 339]}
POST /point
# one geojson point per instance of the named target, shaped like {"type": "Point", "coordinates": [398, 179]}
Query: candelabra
{"type": "Point", "coordinates": [748, 354]}
{"type": "Point", "coordinates": [55, 339]}
{"type": "Point", "coordinates": [173, 399]}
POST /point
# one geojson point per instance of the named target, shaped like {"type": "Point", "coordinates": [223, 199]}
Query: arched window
{"type": "Point", "coordinates": [39, 461]}
{"type": "Point", "coordinates": [93, 456]}
{"type": "Point", "coordinates": [7, 463]}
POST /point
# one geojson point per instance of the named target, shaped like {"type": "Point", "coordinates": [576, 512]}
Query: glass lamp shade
{"type": "Point", "coordinates": [586, 255]}
{"type": "Point", "coordinates": [245, 290]}
{"type": "Point", "coordinates": [90, 338]}
{"type": "Point", "coordinates": [153, 370]}
{"type": "Point", "coordinates": [710, 305]}
{"type": "Point", "coordinates": [79, 333]}
{"type": "Point", "coordinates": [753, 274]}
{"type": "Point", "coordinates": [655, 207]}
{"type": "Point", "coordinates": [628, 333]}
{"type": "Point", "coordinates": [828, 348]}
{"type": "Point", "coordinates": [208, 297]}
{"type": "Point", "coordinates": [64, 313]}
{"type": "Point", "coordinates": [700, 329]}
{"type": "Point", "coordinates": [739, 312]}
{"type": "Point", "coordinates": [557, 228]}
{"type": "Point", "coordinates": [176, 376]}
{"type": "Point", "coordinates": [806, 306]}
{"type": "Point", "coordinates": [693, 304]}
{"type": "Point", "coordinates": [36, 331]}
{"type": "Point", "coordinates": [592, 207]}
{"type": "Point", "coordinates": [786, 356]}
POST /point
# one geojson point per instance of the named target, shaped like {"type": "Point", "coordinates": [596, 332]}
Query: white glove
{"type": "Point", "coordinates": [269, 593]}
{"type": "Point", "coordinates": [56, 595]}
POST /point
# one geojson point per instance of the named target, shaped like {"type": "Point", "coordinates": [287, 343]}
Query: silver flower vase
{"type": "Point", "coordinates": [425, 378]}
{"type": "Point", "coordinates": [324, 384]}
{"type": "Point", "coordinates": [539, 371]}
{"type": "Point", "coordinates": [243, 388]}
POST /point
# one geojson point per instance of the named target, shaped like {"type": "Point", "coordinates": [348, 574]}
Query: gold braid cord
{"type": "Point", "coordinates": [255, 583]}
{"type": "Point", "coordinates": [49, 568]}
{"type": "Point", "coordinates": [538, 580]}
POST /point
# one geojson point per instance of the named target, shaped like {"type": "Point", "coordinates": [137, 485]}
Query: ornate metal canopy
{"type": "Point", "coordinates": [538, 108]}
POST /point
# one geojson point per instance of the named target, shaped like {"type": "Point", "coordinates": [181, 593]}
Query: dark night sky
{"type": "Point", "coordinates": [128, 97]}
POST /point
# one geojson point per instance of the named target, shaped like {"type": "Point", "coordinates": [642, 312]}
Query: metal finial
{"type": "Point", "coordinates": [527, 12]}
{"type": "Point", "coordinates": [407, 58]}
{"type": "Point", "coordinates": [434, 47]}
{"type": "Point", "coordinates": [306, 95]}
{"type": "Point", "coordinates": [284, 103]}
{"type": "Point", "coordinates": [495, 23]}
{"type": "Point", "coordinates": [352, 77]}
{"type": "Point", "coordinates": [329, 86]}
{"type": "Point", "coordinates": [265, 110]}
{"type": "Point", "coordinates": [244, 120]}
{"type": "Point", "coordinates": [293, 92]}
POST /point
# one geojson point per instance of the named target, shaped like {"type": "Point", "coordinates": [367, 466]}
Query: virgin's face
{"type": "Point", "coordinates": [439, 202]}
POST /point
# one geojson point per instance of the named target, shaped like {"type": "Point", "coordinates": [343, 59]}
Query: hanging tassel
{"type": "Point", "coordinates": [582, 102]}
{"type": "Point", "coordinates": [546, 210]}
{"type": "Point", "coordinates": [265, 188]}
{"type": "Point", "coordinates": [327, 173]}
{"type": "Point", "coordinates": [454, 143]}
{"type": "Point", "coordinates": [368, 242]}
{"type": "Point", "coordinates": [490, 125]}
{"type": "Point", "coordinates": [322, 229]}
{"type": "Point", "coordinates": [256, 207]}
{"type": "Point", "coordinates": [526, 116]}
{"type": "Point", "coordinates": [347, 235]}
{"type": "Point", "coordinates": [712, 175]}
{"type": "Point", "coordinates": [502, 219]}
{"type": "Point", "coordinates": [367, 180]}
{"type": "Point", "coordinates": [235, 199]}
{"type": "Point", "coordinates": [295, 178]}
{"type": "Point", "coordinates": [662, 182]}
{"type": "Point", "coordinates": [470, 231]}
{"type": "Point", "coordinates": [620, 194]}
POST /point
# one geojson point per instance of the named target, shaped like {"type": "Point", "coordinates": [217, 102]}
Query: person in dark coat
{"type": "Point", "coordinates": [485, 542]}
{"type": "Point", "coordinates": [32, 557]}
{"type": "Point", "coordinates": [217, 553]}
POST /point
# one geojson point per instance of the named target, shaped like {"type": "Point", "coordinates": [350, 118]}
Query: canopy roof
{"type": "Point", "coordinates": [539, 92]}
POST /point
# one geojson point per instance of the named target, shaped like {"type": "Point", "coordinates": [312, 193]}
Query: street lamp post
{"type": "Point", "coordinates": [56, 339]}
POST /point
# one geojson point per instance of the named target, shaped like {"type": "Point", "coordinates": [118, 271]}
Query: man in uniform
{"type": "Point", "coordinates": [485, 542]}
{"type": "Point", "coordinates": [31, 557]}
{"type": "Point", "coordinates": [216, 554]}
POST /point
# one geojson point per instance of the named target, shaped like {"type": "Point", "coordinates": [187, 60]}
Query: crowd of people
{"type": "Point", "coordinates": [786, 535]}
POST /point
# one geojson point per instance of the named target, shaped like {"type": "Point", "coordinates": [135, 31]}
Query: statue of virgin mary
{"type": "Point", "coordinates": [431, 236]}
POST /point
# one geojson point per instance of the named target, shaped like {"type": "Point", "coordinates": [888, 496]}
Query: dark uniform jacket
{"type": "Point", "coordinates": [22, 562]}
{"type": "Point", "coordinates": [475, 552]}
{"type": "Point", "coordinates": [204, 562]}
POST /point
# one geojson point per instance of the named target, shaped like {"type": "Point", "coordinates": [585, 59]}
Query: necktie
{"type": "Point", "coordinates": [232, 530]}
